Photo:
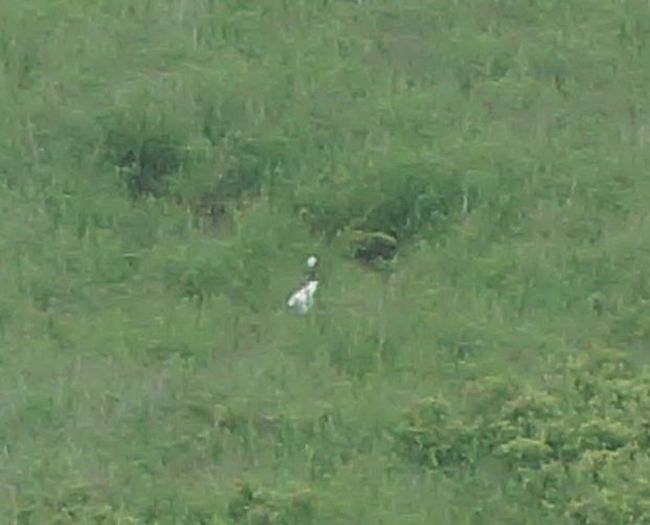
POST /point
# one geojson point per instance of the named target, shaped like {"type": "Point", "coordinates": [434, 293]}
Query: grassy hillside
{"type": "Point", "coordinates": [167, 165]}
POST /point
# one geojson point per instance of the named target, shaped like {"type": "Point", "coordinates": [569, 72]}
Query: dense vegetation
{"type": "Point", "coordinates": [473, 176]}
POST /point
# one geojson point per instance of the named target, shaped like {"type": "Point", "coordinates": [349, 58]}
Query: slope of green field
{"type": "Point", "coordinates": [167, 165]}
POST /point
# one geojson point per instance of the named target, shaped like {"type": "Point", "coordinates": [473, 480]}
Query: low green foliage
{"type": "Point", "coordinates": [551, 451]}
{"type": "Point", "coordinates": [471, 176]}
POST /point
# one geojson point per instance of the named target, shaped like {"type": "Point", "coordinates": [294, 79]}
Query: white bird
{"type": "Point", "coordinates": [302, 300]}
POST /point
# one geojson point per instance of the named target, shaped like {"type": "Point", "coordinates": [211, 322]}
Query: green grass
{"type": "Point", "coordinates": [167, 166]}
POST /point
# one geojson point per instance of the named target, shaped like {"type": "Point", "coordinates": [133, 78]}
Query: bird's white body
{"type": "Point", "coordinates": [302, 300]}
